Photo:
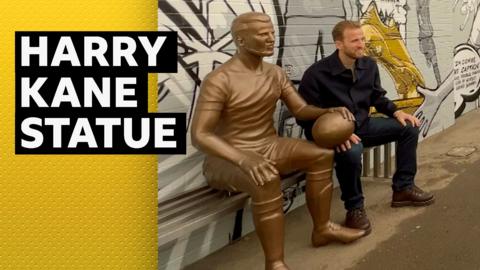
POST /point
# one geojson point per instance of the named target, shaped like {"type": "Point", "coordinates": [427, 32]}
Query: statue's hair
{"type": "Point", "coordinates": [339, 28]}
{"type": "Point", "coordinates": [240, 23]}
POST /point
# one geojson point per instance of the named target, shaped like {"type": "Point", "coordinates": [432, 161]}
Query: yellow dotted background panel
{"type": "Point", "coordinates": [78, 211]}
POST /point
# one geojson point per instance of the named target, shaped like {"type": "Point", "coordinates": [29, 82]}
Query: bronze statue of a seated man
{"type": "Point", "coordinates": [233, 125]}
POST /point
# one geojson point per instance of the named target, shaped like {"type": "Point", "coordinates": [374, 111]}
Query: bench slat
{"type": "Point", "coordinates": [172, 231]}
{"type": "Point", "coordinates": [185, 214]}
{"type": "Point", "coordinates": [183, 196]}
{"type": "Point", "coordinates": [192, 206]}
{"type": "Point", "coordinates": [187, 202]}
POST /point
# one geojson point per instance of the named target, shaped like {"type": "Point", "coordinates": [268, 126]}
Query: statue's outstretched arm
{"type": "Point", "coordinates": [302, 111]}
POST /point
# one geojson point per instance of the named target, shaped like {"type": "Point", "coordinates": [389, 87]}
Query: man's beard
{"type": "Point", "coordinates": [353, 55]}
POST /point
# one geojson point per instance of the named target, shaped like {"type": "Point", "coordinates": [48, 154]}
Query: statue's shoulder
{"type": "Point", "coordinates": [273, 67]}
{"type": "Point", "coordinates": [219, 74]}
{"type": "Point", "coordinates": [276, 69]}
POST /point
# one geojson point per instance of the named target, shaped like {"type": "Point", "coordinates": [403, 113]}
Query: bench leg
{"type": "Point", "coordinates": [319, 197]}
{"type": "Point", "coordinates": [269, 224]}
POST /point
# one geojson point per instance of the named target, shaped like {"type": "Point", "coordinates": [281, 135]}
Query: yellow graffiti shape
{"type": "Point", "coordinates": [385, 44]}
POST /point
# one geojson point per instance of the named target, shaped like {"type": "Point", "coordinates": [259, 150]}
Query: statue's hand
{"type": "Point", "coordinates": [344, 112]}
{"type": "Point", "coordinates": [260, 169]}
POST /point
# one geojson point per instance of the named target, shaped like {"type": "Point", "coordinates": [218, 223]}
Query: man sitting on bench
{"type": "Point", "coordinates": [233, 125]}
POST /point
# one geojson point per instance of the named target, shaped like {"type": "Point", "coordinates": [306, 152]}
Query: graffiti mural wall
{"type": "Point", "coordinates": [466, 60]}
{"type": "Point", "coordinates": [427, 51]}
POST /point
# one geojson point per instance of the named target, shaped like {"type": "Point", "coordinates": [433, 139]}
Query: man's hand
{"type": "Point", "coordinates": [260, 169]}
{"type": "Point", "coordinates": [403, 117]}
{"type": "Point", "coordinates": [344, 111]}
{"type": "Point", "coordinates": [347, 144]}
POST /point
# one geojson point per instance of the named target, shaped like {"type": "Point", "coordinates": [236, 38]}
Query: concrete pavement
{"type": "Point", "coordinates": [441, 236]}
{"type": "Point", "coordinates": [446, 236]}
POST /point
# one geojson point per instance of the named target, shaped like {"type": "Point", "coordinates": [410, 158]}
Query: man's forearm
{"type": "Point", "coordinates": [385, 106]}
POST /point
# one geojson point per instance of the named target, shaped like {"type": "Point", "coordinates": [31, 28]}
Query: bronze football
{"type": "Point", "coordinates": [331, 129]}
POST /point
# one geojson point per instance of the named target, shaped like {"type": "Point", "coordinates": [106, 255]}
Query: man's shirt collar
{"type": "Point", "coordinates": [336, 66]}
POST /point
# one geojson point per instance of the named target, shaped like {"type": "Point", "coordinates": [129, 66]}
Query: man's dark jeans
{"type": "Point", "coordinates": [348, 165]}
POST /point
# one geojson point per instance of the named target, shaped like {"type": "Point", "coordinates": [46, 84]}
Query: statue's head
{"type": "Point", "coordinates": [253, 33]}
{"type": "Point", "coordinates": [331, 129]}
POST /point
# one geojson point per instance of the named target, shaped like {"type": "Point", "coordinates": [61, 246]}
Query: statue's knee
{"type": "Point", "coordinates": [322, 159]}
{"type": "Point", "coordinates": [323, 155]}
{"type": "Point", "coordinates": [268, 191]}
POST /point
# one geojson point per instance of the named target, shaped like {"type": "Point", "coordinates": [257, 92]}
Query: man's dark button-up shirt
{"type": "Point", "coordinates": [327, 83]}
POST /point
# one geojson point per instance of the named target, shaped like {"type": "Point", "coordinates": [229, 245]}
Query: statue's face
{"type": "Point", "coordinates": [353, 43]}
{"type": "Point", "coordinates": [259, 39]}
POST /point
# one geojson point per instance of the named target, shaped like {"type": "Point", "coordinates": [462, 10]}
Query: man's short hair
{"type": "Point", "coordinates": [339, 28]}
{"type": "Point", "coordinates": [240, 23]}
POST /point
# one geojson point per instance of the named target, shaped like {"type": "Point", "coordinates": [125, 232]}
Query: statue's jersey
{"type": "Point", "coordinates": [247, 102]}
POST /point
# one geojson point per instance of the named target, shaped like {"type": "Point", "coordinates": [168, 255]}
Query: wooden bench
{"type": "Point", "coordinates": [189, 211]}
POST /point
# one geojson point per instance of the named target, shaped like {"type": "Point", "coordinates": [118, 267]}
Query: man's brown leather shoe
{"type": "Point", "coordinates": [412, 196]}
{"type": "Point", "coordinates": [357, 219]}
